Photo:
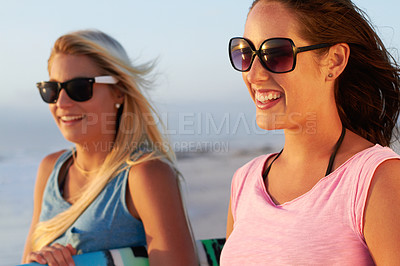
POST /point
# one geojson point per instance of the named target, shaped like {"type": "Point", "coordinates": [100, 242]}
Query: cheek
{"type": "Point", "coordinates": [52, 108]}
{"type": "Point", "coordinates": [310, 67]}
{"type": "Point", "coordinates": [109, 108]}
{"type": "Point", "coordinates": [244, 76]}
{"type": "Point", "coordinates": [106, 113]}
{"type": "Point", "coordinates": [102, 103]}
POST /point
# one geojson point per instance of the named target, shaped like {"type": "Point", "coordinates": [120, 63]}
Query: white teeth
{"type": "Point", "coordinates": [263, 97]}
{"type": "Point", "coordinates": [71, 118]}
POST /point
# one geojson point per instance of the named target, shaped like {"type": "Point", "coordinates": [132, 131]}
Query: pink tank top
{"type": "Point", "coordinates": [322, 227]}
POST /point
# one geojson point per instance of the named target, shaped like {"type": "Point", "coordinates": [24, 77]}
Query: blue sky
{"type": "Point", "coordinates": [189, 38]}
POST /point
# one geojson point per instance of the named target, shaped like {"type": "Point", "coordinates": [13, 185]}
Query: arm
{"type": "Point", "coordinates": [44, 171]}
{"type": "Point", "coordinates": [382, 214]}
{"type": "Point", "coordinates": [155, 197]}
{"type": "Point", "coordinates": [229, 223]}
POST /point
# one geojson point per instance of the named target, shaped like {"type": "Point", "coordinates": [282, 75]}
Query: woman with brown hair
{"type": "Point", "coordinates": [331, 195]}
{"type": "Point", "coordinates": [118, 186]}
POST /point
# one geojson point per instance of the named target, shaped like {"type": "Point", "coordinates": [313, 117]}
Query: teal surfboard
{"type": "Point", "coordinates": [209, 251]}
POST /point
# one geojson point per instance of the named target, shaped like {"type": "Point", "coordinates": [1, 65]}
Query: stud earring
{"type": "Point", "coordinates": [117, 105]}
{"type": "Point", "coordinates": [330, 75]}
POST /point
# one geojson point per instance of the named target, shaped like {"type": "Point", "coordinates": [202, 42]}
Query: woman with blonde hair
{"type": "Point", "coordinates": [118, 186]}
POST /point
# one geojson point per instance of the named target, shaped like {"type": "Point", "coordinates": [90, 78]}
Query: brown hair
{"type": "Point", "coordinates": [367, 92]}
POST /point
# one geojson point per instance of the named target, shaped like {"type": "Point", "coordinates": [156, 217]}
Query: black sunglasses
{"type": "Point", "coordinates": [78, 89]}
{"type": "Point", "coordinates": [277, 55]}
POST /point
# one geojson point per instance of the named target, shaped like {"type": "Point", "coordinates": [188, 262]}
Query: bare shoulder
{"type": "Point", "coordinates": [50, 160]}
{"type": "Point", "coordinates": [381, 217]}
{"type": "Point", "coordinates": [148, 183]}
{"type": "Point", "coordinates": [45, 168]}
{"type": "Point", "coordinates": [152, 179]}
{"type": "Point", "coordinates": [385, 185]}
{"type": "Point", "coordinates": [387, 177]}
{"type": "Point", "coordinates": [152, 171]}
{"type": "Point", "coordinates": [47, 164]}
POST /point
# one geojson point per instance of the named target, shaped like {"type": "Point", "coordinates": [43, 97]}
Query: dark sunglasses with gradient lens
{"type": "Point", "coordinates": [78, 89]}
{"type": "Point", "coordinates": [277, 55]}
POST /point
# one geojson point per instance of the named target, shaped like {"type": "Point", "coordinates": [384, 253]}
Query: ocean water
{"type": "Point", "coordinates": [214, 132]}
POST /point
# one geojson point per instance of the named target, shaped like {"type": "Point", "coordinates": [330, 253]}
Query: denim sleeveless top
{"type": "Point", "coordinates": [105, 224]}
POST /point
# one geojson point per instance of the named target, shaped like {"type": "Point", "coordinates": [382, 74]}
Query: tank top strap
{"type": "Point", "coordinates": [53, 202]}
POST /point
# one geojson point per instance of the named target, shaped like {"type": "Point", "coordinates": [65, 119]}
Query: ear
{"type": "Point", "coordinates": [338, 57]}
{"type": "Point", "coordinates": [118, 95]}
{"type": "Point", "coordinates": [120, 99]}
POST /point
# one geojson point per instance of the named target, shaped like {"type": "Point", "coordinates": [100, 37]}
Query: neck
{"type": "Point", "coordinates": [316, 142]}
{"type": "Point", "coordinates": [90, 157]}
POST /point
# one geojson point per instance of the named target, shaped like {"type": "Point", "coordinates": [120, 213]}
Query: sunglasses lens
{"type": "Point", "coordinates": [48, 91]}
{"type": "Point", "coordinates": [79, 90]}
{"type": "Point", "coordinates": [277, 55]}
{"type": "Point", "coordinates": [241, 54]}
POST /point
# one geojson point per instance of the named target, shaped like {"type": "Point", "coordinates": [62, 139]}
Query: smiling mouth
{"type": "Point", "coordinates": [266, 97]}
{"type": "Point", "coordinates": [71, 118]}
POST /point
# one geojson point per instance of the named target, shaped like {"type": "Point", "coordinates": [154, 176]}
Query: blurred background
{"type": "Point", "coordinates": [200, 97]}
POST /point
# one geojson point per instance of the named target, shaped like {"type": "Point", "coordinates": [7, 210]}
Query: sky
{"type": "Point", "coordinates": [187, 38]}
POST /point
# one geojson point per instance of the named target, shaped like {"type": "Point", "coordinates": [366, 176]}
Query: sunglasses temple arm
{"type": "Point", "coordinates": [312, 47]}
{"type": "Point", "coordinates": [105, 80]}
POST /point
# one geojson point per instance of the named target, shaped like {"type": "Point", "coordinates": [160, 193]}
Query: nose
{"type": "Point", "coordinates": [257, 72]}
{"type": "Point", "coordinates": [63, 99]}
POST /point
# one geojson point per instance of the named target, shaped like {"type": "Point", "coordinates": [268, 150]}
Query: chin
{"type": "Point", "coordinates": [269, 121]}
{"type": "Point", "coordinates": [266, 125]}
{"type": "Point", "coordinates": [72, 138]}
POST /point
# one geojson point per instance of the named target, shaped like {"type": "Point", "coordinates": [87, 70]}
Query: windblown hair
{"type": "Point", "coordinates": [367, 92]}
{"type": "Point", "coordinates": [136, 126]}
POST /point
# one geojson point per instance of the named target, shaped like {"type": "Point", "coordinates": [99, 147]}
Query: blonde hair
{"type": "Point", "coordinates": [137, 130]}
